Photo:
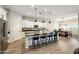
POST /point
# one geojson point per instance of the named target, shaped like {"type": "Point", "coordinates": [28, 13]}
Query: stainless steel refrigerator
{"type": "Point", "coordinates": [3, 36]}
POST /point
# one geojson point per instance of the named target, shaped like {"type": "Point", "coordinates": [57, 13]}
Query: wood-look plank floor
{"type": "Point", "coordinates": [63, 46]}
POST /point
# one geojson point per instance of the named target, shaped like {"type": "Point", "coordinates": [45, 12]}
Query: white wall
{"type": "Point", "coordinates": [14, 26]}
{"type": "Point", "coordinates": [26, 23]}
{"type": "Point", "coordinates": [71, 24]}
{"type": "Point", "coordinates": [3, 12]}
{"type": "Point", "coordinates": [56, 25]}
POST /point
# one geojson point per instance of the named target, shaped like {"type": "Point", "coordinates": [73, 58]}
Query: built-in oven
{"type": "Point", "coordinates": [3, 35]}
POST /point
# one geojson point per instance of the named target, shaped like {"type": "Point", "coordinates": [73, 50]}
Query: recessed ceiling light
{"type": "Point", "coordinates": [45, 10]}
{"type": "Point", "coordinates": [45, 16]}
{"type": "Point", "coordinates": [38, 15]}
{"type": "Point", "coordinates": [49, 12]}
{"type": "Point", "coordinates": [29, 13]}
{"type": "Point", "coordinates": [54, 12]}
{"type": "Point", "coordinates": [32, 6]}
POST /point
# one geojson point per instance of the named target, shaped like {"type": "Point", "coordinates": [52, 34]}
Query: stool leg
{"type": "Point", "coordinates": [33, 43]}
{"type": "Point", "coordinates": [49, 40]}
{"type": "Point", "coordinates": [52, 39]}
{"type": "Point", "coordinates": [55, 38]}
{"type": "Point", "coordinates": [46, 41]}
{"type": "Point", "coordinates": [42, 43]}
{"type": "Point", "coordinates": [38, 43]}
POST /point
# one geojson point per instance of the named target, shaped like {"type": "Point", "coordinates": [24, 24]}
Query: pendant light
{"type": "Point", "coordinates": [49, 21]}
{"type": "Point", "coordinates": [43, 21]}
{"type": "Point", "coordinates": [32, 6]}
{"type": "Point", "coordinates": [35, 12]}
{"type": "Point", "coordinates": [35, 8]}
{"type": "Point", "coordinates": [35, 20]}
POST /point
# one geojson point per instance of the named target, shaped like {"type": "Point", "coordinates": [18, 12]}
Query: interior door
{"type": "Point", "coordinates": [4, 42]}
{"type": "Point", "coordinates": [0, 34]}
{"type": "Point", "coordinates": [3, 36]}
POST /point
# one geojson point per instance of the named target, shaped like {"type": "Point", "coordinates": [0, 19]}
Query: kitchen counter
{"type": "Point", "coordinates": [28, 39]}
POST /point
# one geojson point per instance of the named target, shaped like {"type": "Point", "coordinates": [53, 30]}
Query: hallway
{"type": "Point", "coordinates": [63, 46]}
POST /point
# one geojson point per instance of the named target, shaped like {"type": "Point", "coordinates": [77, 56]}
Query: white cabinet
{"type": "Point", "coordinates": [3, 13]}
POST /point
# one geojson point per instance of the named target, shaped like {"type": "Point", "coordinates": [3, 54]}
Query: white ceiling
{"type": "Point", "coordinates": [56, 10]}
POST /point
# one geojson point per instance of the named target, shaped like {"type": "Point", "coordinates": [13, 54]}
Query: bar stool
{"type": "Point", "coordinates": [50, 37]}
{"type": "Point", "coordinates": [45, 36]}
{"type": "Point", "coordinates": [35, 41]}
{"type": "Point", "coordinates": [43, 39]}
{"type": "Point", "coordinates": [55, 36]}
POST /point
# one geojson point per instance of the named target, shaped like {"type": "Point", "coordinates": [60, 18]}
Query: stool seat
{"type": "Point", "coordinates": [49, 35]}
{"type": "Point", "coordinates": [43, 36]}
{"type": "Point", "coordinates": [35, 38]}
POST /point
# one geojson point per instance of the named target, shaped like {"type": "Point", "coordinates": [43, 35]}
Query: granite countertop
{"type": "Point", "coordinates": [29, 35]}
{"type": "Point", "coordinates": [32, 35]}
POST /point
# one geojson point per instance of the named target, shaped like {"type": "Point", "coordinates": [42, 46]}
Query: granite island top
{"type": "Point", "coordinates": [28, 35]}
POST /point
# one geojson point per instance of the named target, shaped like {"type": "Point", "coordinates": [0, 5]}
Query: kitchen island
{"type": "Point", "coordinates": [49, 38]}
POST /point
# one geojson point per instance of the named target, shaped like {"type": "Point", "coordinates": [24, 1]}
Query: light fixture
{"type": "Point", "coordinates": [44, 10]}
{"type": "Point", "coordinates": [49, 21]}
{"type": "Point", "coordinates": [45, 16]}
{"type": "Point", "coordinates": [35, 20]}
{"type": "Point", "coordinates": [32, 6]}
{"type": "Point", "coordinates": [54, 12]}
{"type": "Point", "coordinates": [43, 21]}
{"type": "Point", "coordinates": [35, 8]}
{"type": "Point", "coordinates": [38, 15]}
{"type": "Point", "coordinates": [29, 13]}
{"type": "Point", "coordinates": [40, 12]}
{"type": "Point", "coordinates": [49, 13]}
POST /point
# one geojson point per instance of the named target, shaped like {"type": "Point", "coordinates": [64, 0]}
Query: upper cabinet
{"type": "Point", "coordinates": [3, 13]}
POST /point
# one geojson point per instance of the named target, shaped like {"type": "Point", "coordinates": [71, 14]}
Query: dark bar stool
{"type": "Point", "coordinates": [45, 36]}
{"type": "Point", "coordinates": [50, 37]}
{"type": "Point", "coordinates": [55, 36]}
{"type": "Point", "coordinates": [35, 42]}
{"type": "Point", "coordinates": [43, 39]}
